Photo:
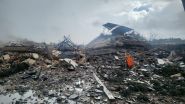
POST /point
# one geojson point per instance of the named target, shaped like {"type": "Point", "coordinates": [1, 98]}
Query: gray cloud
{"type": "Point", "coordinates": [168, 22]}
{"type": "Point", "coordinates": [50, 20]}
{"type": "Point", "coordinates": [143, 7]}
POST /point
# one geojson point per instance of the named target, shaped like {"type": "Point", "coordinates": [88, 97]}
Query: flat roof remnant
{"type": "Point", "coordinates": [117, 29]}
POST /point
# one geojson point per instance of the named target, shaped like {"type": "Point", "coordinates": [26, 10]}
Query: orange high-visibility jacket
{"type": "Point", "coordinates": [129, 61]}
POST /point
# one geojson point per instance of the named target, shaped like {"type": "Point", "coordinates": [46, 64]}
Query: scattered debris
{"type": "Point", "coordinates": [97, 73]}
{"type": "Point", "coordinates": [160, 61]}
{"type": "Point", "coordinates": [56, 53]}
{"type": "Point", "coordinates": [107, 92]}
{"type": "Point", "coordinates": [30, 61]}
{"type": "Point", "coordinates": [69, 63]}
{"type": "Point", "coordinates": [176, 75]}
{"type": "Point", "coordinates": [73, 96]}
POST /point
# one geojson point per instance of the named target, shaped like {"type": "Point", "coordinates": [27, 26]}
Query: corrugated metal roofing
{"type": "Point", "coordinates": [117, 29]}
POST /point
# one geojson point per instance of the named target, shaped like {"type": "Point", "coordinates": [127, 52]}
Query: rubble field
{"type": "Point", "coordinates": [69, 74]}
{"type": "Point", "coordinates": [34, 78]}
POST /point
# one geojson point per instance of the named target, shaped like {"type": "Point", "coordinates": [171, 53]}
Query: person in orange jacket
{"type": "Point", "coordinates": [129, 60]}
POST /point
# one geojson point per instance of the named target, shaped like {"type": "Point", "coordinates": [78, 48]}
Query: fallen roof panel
{"type": "Point", "coordinates": [118, 29]}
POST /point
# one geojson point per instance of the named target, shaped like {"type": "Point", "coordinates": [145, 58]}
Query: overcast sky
{"type": "Point", "coordinates": [50, 20]}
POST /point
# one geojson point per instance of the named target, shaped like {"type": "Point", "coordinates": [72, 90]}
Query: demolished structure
{"type": "Point", "coordinates": [99, 76]}
{"type": "Point", "coordinates": [68, 48]}
{"type": "Point", "coordinates": [116, 37]}
{"type": "Point", "coordinates": [66, 45]}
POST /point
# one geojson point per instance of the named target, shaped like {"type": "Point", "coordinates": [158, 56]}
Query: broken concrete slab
{"type": "Point", "coordinates": [116, 57]}
{"type": "Point", "coordinates": [176, 75]}
{"type": "Point", "coordinates": [73, 96]}
{"type": "Point", "coordinates": [6, 57]}
{"type": "Point", "coordinates": [30, 61]}
{"type": "Point", "coordinates": [56, 53]}
{"type": "Point", "coordinates": [160, 61]}
{"type": "Point", "coordinates": [35, 55]}
{"type": "Point", "coordinates": [98, 91]}
{"type": "Point", "coordinates": [71, 64]}
{"type": "Point", "coordinates": [47, 61]}
{"type": "Point", "coordinates": [182, 65]}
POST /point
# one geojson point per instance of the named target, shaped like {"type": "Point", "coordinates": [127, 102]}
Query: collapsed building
{"type": "Point", "coordinates": [67, 47]}
{"type": "Point", "coordinates": [100, 76]}
{"type": "Point", "coordinates": [70, 50]}
{"type": "Point", "coordinates": [116, 37]}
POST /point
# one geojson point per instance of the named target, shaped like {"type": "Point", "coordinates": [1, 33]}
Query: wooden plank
{"type": "Point", "coordinates": [107, 92]}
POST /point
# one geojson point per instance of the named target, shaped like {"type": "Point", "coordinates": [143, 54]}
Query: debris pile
{"type": "Point", "coordinates": [117, 67]}
{"type": "Point", "coordinates": [118, 36]}
{"type": "Point", "coordinates": [146, 82]}
{"type": "Point", "coordinates": [68, 48]}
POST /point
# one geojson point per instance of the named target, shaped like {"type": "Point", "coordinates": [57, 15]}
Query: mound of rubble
{"type": "Point", "coordinates": [151, 80]}
{"type": "Point", "coordinates": [118, 36]}
{"type": "Point", "coordinates": [67, 74]}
